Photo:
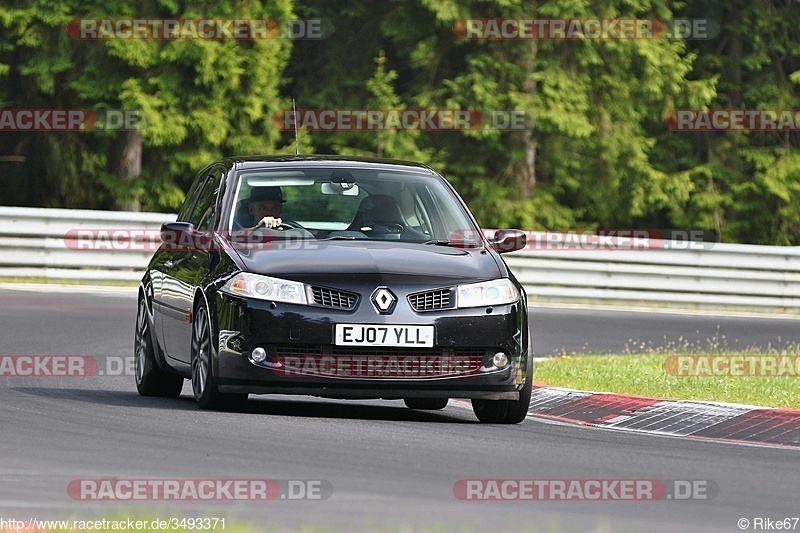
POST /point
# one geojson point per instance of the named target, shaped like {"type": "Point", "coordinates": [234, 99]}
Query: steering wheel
{"type": "Point", "coordinates": [287, 225]}
{"type": "Point", "coordinates": [282, 226]}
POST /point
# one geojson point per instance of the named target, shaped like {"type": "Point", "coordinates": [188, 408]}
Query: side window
{"type": "Point", "coordinates": [191, 196]}
{"type": "Point", "coordinates": [203, 212]}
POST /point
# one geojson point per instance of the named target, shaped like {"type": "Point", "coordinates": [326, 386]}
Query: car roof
{"type": "Point", "coordinates": [333, 161]}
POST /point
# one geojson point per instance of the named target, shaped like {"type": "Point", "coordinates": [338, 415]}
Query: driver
{"type": "Point", "coordinates": [265, 204]}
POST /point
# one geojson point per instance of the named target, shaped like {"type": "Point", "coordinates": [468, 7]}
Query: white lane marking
{"type": "Point", "coordinates": [65, 289]}
{"type": "Point", "coordinates": [710, 413]}
{"type": "Point", "coordinates": [677, 418]}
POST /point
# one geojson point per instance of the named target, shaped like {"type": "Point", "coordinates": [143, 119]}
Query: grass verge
{"type": "Point", "coordinates": [654, 375]}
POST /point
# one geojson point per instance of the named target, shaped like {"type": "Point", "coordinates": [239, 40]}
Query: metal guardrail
{"type": "Point", "coordinates": [37, 243]}
{"type": "Point", "coordinates": [727, 276]}
{"type": "Point", "coordinates": [44, 243]}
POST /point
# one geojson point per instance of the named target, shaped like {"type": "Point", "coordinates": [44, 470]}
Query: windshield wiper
{"type": "Point", "coordinates": [440, 242]}
{"type": "Point", "coordinates": [454, 244]}
{"type": "Point", "coordinates": [338, 237]}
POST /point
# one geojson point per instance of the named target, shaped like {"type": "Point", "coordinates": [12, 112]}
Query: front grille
{"type": "Point", "coordinates": [431, 300]}
{"type": "Point", "coordinates": [378, 362]}
{"type": "Point", "coordinates": [334, 298]}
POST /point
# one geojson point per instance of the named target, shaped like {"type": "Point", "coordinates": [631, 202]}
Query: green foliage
{"type": "Point", "coordinates": [595, 151]}
{"type": "Point", "coordinates": [747, 183]}
{"type": "Point", "coordinates": [197, 100]}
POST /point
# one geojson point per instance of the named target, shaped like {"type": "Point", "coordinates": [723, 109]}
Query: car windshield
{"type": "Point", "coordinates": [352, 204]}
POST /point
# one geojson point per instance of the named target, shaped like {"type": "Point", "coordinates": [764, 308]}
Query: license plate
{"type": "Point", "coordinates": [383, 335]}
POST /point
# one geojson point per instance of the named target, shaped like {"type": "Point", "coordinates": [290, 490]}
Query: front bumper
{"type": "Point", "coordinates": [460, 334]}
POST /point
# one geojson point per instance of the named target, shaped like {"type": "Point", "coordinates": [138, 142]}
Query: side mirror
{"type": "Point", "coordinates": [180, 235]}
{"type": "Point", "coordinates": [509, 240]}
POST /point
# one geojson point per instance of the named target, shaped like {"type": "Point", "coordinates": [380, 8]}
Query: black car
{"type": "Point", "coordinates": [370, 279]}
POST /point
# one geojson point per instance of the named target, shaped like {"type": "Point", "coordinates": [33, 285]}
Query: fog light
{"type": "Point", "coordinates": [500, 360]}
{"type": "Point", "coordinates": [259, 355]}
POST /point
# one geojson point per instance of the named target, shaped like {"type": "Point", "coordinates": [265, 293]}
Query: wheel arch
{"type": "Point", "coordinates": [201, 298]}
{"type": "Point", "coordinates": [146, 292]}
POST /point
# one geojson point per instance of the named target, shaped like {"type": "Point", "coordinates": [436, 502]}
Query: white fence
{"type": "Point", "coordinates": [46, 243]}
{"type": "Point", "coordinates": [727, 276]}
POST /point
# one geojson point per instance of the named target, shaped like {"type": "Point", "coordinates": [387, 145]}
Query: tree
{"type": "Point", "coordinates": [748, 183]}
{"type": "Point", "coordinates": [197, 100]}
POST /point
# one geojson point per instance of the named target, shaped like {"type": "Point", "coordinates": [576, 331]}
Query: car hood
{"type": "Point", "coordinates": [316, 260]}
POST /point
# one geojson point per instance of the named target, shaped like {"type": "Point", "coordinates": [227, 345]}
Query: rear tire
{"type": "Point", "coordinates": [426, 404]}
{"type": "Point", "coordinates": [506, 411]}
{"type": "Point", "coordinates": [204, 386]}
{"type": "Point", "coordinates": [150, 379]}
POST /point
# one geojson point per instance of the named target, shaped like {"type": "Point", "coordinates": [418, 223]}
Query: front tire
{"type": "Point", "coordinates": [204, 385]}
{"type": "Point", "coordinates": [426, 404]}
{"type": "Point", "coordinates": [150, 379]}
{"type": "Point", "coordinates": [506, 411]}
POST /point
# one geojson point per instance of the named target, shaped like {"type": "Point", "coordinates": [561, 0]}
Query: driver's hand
{"type": "Point", "coordinates": [269, 222]}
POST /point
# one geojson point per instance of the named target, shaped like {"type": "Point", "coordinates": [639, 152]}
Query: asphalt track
{"type": "Point", "coordinates": [391, 469]}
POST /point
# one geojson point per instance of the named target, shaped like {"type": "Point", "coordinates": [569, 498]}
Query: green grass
{"type": "Point", "coordinates": [643, 374]}
{"type": "Point", "coordinates": [639, 370]}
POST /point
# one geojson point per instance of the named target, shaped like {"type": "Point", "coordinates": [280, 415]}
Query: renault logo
{"type": "Point", "coordinates": [383, 300]}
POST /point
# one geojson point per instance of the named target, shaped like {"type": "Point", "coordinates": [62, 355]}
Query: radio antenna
{"type": "Point", "coordinates": [296, 139]}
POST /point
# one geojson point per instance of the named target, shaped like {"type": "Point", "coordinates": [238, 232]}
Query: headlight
{"type": "Point", "coordinates": [266, 288]}
{"type": "Point", "coordinates": [495, 292]}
